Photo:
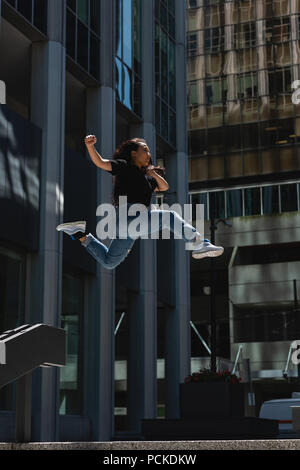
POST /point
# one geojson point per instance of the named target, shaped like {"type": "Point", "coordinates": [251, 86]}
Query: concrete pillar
{"type": "Point", "coordinates": [47, 112]}
{"type": "Point", "coordinates": [177, 365]}
{"type": "Point", "coordinates": [101, 121]}
{"type": "Point", "coordinates": [142, 377]}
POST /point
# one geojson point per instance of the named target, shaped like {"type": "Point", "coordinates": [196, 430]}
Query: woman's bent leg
{"type": "Point", "coordinates": [109, 257]}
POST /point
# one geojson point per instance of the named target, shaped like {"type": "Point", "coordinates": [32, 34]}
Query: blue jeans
{"type": "Point", "coordinates": [119, 248]}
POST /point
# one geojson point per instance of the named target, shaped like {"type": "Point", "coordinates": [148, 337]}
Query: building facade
{"type": "Point", "coordinates": [116, 69]}
{"type": "Point", "coordinates": [243, 60]}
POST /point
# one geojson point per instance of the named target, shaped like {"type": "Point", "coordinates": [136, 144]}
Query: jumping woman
{"type": "Point", "coordinates": [135, 178]}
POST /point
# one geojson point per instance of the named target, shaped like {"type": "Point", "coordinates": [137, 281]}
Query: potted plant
{"type": "Point", "coordinates": [211, 394]}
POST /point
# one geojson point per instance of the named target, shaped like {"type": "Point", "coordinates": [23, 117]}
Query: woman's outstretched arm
{"type": "Point", "coordinates": [90, 141]}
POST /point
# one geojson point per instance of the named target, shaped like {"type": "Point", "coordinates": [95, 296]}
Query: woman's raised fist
{"type": "Point", "coordinates": [90, 140]}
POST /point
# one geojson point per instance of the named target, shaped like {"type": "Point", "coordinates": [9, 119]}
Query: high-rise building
{"type": "Point", "coordinates": [115, 69]}
{"type": "Point", "coordinates": [244, 128]}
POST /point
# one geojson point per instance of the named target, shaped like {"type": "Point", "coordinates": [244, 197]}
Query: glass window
{"type": "Point", "coordinates": [279, 81]}
{"type": "Point", "coordinates": [25, 8]}
{"type": "Point", "coordinates": [12, 296]}
{"type": "Point", "coordinates": [82, 44]}
{"type": "Point", "coordinates": [200, 198]}
{"type": "Point", "coordinates": [213, 16]}
{"type": "Point", "coordinates": [192, 43]}
{"type": "Point", "coordinates": [214, 39]}
{"type": "Point", "coordinates": [217, 204]}
{"type": "Point", "coordinates": [247, 10]}
{"type": "Point", "coordinates": [233, 137]}
{"type": "Point", "coordinates": [172, 79]}
{"type": "Point", "coordinates": [71, 374]}
{"type": "Point", "coordinates": [72, 4]}
{"type": "Point", "coordinates": [82, 10]}
{"type": "Point", "coordinates": [127, 32]}
{"type": "Point", "coordinates": [245, 35]}
{"type": "Point", "coordinates": [71, 34]}
{"type": "Point", "coordinates": [277, 30]}
{"type": "Point", "coordinates": [216, 91]}
{"type": "Point", "coordinates": [288, 197]}
{"type": "Point", "coordinates": [95, 16]}
{"type": "Point", "coordinates": [94, 56]}
{"type": "Point", "coordinates": [248, 59]}
{"type": "Point", "coordinates": [252, 201]}
{"type": "Point", "coordinates": [250, 135]}
{"type": "Point", "coordinates": [270, 200]}
{"type": "Point", "coordinates": [234, 203]}
{"type": "Point", "coordinates": [247, 86]}
{"type": "Point", "coordinates": [137, 44]}
{"type": "Point", "coordinates": [40, 15]}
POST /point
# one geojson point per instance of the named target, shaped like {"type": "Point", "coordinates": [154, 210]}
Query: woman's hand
{"type": "Point", "coordinates": [90, 140]}
{"type": "Point", "coordinates": [150, 170]}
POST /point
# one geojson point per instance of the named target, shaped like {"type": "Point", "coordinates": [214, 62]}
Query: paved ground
{"type": "Point", "coordinates": [270, 444]}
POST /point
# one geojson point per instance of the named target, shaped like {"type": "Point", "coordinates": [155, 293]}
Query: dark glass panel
{"type": "Point", "coordinates": [199, 198]}
{"type": "Point", "coordinates": [40, 15]}
{"type": "Point", "coordinates": [137, 96]}
{"type": "Point", "coordinates": [71, 34]}
{"type": "Point", "coordinates": [25, 8]}
{"type": "Point", "coordinates": [250, 135]}
{"type": "Point", "coordinates": [72, 4]}
{"type": "Point", "coordinates": [288, 197]}
{"type": "Point", "coordinates": [234, 203]}
{"type": "Point", "coordinates": [95, 16]}
{"type": "Point", "coordinates": [172, 77]}
{"type": "Point", "coordinates": [252, 201]}
{"type": "Point", "coordinates": [83, 10]}
{"type": "Point", "coordinates": [164, 121]}
{"type": "Point", "coordinates": [217, 204]}
{"type": "Point", "coordinates": [94, 56]}
{"type": "Point", "coordinates": [270, 200]}
{"type": "Point", "coordinates": [119, 28]}
{"type": "Point", "coordinates": [172, 127]}
{"type": "Point", "coordinates": [82, 44]}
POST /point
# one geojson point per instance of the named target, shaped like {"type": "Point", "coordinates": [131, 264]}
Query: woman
{"type": "Point", "coordinates": [137, 180]}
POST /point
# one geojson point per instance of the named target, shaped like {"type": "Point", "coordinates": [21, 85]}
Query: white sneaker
{"type": "Point", "coordinates": [72, 227]}
{"type": "Point", "coordinates": [205, 248]}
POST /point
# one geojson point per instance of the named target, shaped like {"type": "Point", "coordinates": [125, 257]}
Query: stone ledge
{"type": "Point", "coordinates": [267, 444]}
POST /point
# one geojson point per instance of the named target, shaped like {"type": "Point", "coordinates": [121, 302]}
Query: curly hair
{"type": "Point", "coordinates": [124, 152]}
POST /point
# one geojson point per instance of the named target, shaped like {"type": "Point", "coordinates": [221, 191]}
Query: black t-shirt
{"type": "Point", "coordinates": [132, 182]}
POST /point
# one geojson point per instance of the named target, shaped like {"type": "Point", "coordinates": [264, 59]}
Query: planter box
{"type": "Point", "coordinates": [211, 399]}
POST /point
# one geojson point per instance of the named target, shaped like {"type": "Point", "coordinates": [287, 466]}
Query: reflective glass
{"type": "Point", "coordinates": [40, 15]}
{"type": "Point", "coordinates": [25, 7]}
{"type": "Point", "coordinates": [127, 98]}
{"type": "Point", "coordinates": [70, 36]}
{"type": "Point", "coordinates": [270, 200]}
{"type": "Point", "coordinates": [252, 201]}
{"type": "Point", "coordinates": [137, 43]}
{"type": "Point", "coordinates": [127, 32]}
{"type": "Point", "coordinates": [82, 44]}
{"type": "Point", "coordinates": [119, 28]}
{"type": "Point", "coordinates": [164, 121]}
{"type": "Point", "coordinates": [199, 198]}
{"type": "Point", "coordinates": [164, 65]}
{"type": "Point", "coordinates": [83, 10]}
{"type": "Point", "coordinates": [217, 204]}
{"type": "Point", "coordinates": [234, 203]}
{"type": "Point", "coordinates": [12, 292]}
{"type": "Point", "coordinates": [95, 16]}
{"type": "Point", "coordinates": [288, 197]}
{"type": "Point", "coordinates": [172, 78]}
{"type": "Point", "coordinates": [94, 56]}
{"type": "Point", "coordinates": [71, 373]}
{"type": "Point", "coordinates": [119, 79]}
